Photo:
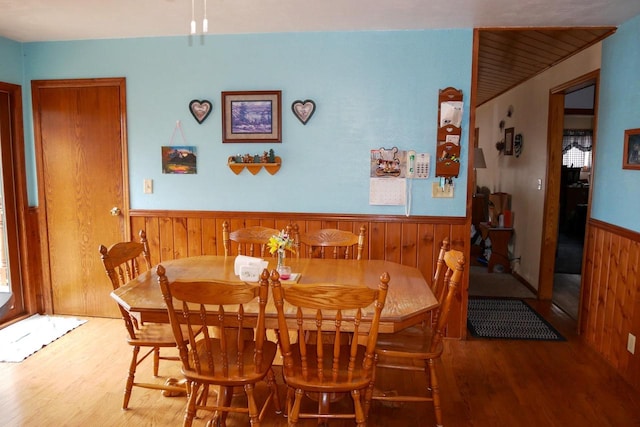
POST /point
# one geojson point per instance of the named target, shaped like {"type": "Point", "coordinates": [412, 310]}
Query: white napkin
{"type": "Point", "coordinates": [249, 268]}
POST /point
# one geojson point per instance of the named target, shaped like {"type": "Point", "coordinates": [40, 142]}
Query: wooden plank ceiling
{"type": "Point", "coordinates": [508, 57]}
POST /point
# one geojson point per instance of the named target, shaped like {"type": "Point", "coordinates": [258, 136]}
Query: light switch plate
{"type": "Point", "coordinates": [148, 186]}
{"type": "Point", "coordinates": [441, 192]}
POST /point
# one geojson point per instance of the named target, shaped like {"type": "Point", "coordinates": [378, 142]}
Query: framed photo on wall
{"type": "Point", "coordinates": [508, 142]}
{"type": "Point", "coordinates": [179, 159]}
{"type": "Point", "coordinates": [631, 153]}
{"type": "Point", "coordinates": [252, 116]}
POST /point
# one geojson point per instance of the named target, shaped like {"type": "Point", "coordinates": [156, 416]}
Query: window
{"type": "Point", "coordinates": [577, 159]}
{"type": "Point", "coordinates": [576, 148]}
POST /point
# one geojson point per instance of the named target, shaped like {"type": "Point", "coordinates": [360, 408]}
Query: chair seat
{"type": "Point", "coordinates": [154, 335]}
{"type": "Point", "coordinates": [234, 377]}
{"type": "Point", "coordinates": [342, 381]}
{"type": "Point", "coordinates": [412, 342]}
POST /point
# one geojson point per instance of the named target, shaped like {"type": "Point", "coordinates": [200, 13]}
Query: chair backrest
{"type": "Point", "coordinates": [454, 262]}
{"type": "Point", "coordinates": [248, 239]}
{"type": "Point", "coordinates": [323, 309]}
{"type": "Point", "coordinates": [202, 303]}
{"type": "Point", "coordinates": [123, 262]}
{"type": "Point", "coordinates": [437, 285]}
{"type": "Point", "coordinates": [343, 242]}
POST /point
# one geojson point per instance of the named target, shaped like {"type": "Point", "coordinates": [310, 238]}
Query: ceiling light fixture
{"type": "Point", "coordinates": [205, 21]}
{"type": "Point", "coordinates": [193, 19]}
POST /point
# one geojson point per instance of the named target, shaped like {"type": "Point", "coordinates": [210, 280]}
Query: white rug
{"type": "Point", "coordinates": [22, 339]}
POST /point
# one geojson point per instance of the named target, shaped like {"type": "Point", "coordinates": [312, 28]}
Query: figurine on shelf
{"type": "Point", "coordinates": [264, 158]}
{"type": "Point", "coordinates": [272, 156]}
{"type": "Point", "coordinates": [247, 158]}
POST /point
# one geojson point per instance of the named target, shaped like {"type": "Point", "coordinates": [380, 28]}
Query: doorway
{"type": "Point", "coordinates": [575, 182]}
{"type": "Point", "coordinates": [564, 222]}
{"type": "Point", "coordinates": [81, 157]}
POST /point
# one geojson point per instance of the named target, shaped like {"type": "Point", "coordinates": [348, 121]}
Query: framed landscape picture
{"type": "Point", "coordinates": [252, 116]}
{"type": "Point", "coordinates": [631, 153]}
{"type": "Point", "coordinates": [180, 159]}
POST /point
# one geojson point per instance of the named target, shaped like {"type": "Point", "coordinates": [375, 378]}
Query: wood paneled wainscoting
{"type": "Point", "coordinates": [611, 295]}
{"type": "Point", "coordinates": [412, 241]}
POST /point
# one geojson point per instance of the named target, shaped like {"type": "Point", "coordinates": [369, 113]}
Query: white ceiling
{"type": "Point", "coordinates": [49, 20]}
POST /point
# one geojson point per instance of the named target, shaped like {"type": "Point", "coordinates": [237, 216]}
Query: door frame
{"type": "Point", "coordinates": [23, 269]}
{"type": "Point", "coordinates": [47, 289]}
{"type": "Point", "coordinates": [552, 186]}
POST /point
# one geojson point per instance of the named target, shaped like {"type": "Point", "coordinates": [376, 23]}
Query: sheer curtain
{"type": "Point", "coordinates": [582, 139]}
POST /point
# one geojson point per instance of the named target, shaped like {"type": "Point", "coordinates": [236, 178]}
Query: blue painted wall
{"type": "Point", "coordinates": [372, 90]}
{"type": "Point", "coordinates": [615, 193]}
{"type": "Point", "coordinates": [11, 62]}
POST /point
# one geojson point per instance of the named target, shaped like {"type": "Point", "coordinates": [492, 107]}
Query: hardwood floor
{"type": "Point", "coordinates": [78, 380]}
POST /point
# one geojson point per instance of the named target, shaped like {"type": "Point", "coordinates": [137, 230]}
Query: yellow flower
{"type": "Point", "coordinates": [281, 242]}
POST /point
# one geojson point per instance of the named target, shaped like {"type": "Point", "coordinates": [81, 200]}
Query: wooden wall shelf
{"type": "Point", "coordinates": [254, 168]}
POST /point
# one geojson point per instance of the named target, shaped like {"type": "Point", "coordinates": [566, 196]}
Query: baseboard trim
{"type": "Point", "coordinates": [524, 282]}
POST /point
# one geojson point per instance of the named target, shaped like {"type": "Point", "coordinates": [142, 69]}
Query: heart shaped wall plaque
{"type": "Point", "coordinates": [303, 110]}
{"type": "Point", "coordinates": [200, 109]}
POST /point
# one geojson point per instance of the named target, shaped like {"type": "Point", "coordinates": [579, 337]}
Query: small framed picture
{"type": "Point", "coordinates": [179, 159]}
{"type": "Point", "coordinates": [508, 142]}
{"type": "Point", "coordinates": [631, 153]}
{"type": "Point", "coordinates": [252, 116]}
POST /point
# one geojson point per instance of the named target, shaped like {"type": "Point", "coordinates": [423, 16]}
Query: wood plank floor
{"type": "Point", "coordinates": [78, 380]}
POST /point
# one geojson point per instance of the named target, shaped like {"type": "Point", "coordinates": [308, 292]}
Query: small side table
{"type": "Point", "coordinates": [500, 237]}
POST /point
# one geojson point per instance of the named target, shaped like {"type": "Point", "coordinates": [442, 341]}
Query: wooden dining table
{"type": "Point", "coordinates": [409, 299]}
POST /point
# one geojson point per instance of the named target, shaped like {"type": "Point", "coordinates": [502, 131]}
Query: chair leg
{"type": "Point", "coordinates": [251, 404]}
{"type": "Point", "coordinates": [190, 412]}
{"type": "Point", "coordinates": [130, 377]}
{"type": "Point", "coordinates": [435, 392]}
{"type": "Point", "coordinates": [288, 401]}
{"type": "Point", "coordinates": [369, 392]}
{"type": "Point", "coordinates": [271, 382]}
{"type": "Point", "coordinates": [357, 406]}
{"type": "Point", "coordinates": [295, 409]}
{"type": "Point", "coordinates": [156, 361]}
{"type": "Point", "coordinates": [225, 394]}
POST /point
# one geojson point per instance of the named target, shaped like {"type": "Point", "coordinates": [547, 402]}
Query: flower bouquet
{"type": "Point", "coordinates": [280, 243]}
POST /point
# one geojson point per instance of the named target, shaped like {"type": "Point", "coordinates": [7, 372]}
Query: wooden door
{"type": "Point", "coordinates": [80, 135]}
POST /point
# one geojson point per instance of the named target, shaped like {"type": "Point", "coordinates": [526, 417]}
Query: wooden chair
{"type": "Point", "coordinates": [418, 348]}
{"type": "Point", "coordinates": [320, 368]}
{"type": "Point", "coordinates": [340, 240]}
{"type": "Point", "coordinates": [123, 262]}
{"type": "Point", "coordinates": [228, 360]}
{"type": "Point", "coordinates": [248, 239]}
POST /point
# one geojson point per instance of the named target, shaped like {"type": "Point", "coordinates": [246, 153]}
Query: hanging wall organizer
{"type": "Point", "coordinates": [449, 133]}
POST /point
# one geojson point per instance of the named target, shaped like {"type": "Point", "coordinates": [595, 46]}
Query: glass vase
{"type": "Point", "coordinates": [283, 270]}
{"type": "Point", "coordinates": [281, 258]}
